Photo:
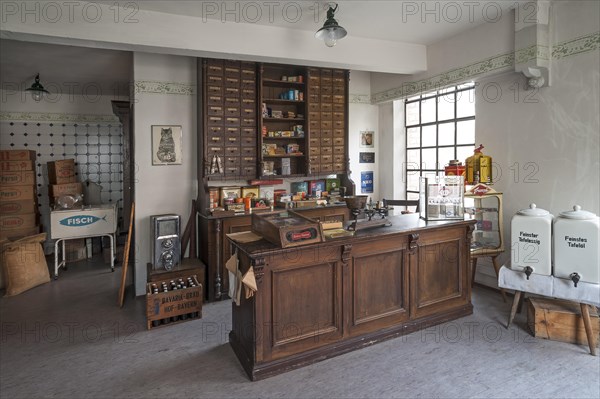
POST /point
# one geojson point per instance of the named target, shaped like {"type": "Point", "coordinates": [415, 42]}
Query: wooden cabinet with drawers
{"type": "Point", "coordinates": [229, 119]}
{"type": "Point", "coordinates": [254, 117]}
{"type": "Point", "coordinates": [328, 120]}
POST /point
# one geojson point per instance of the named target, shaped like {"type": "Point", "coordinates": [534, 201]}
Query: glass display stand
{"type": "Point", "coordinates": [484, 204]}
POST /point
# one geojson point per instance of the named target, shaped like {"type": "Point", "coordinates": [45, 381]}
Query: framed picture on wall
{"type": "Point", "coordinates": [366, 182]}
{"type": "Point", "coordinates": [367, 139]}
{"type": "Point", "coordinates": [166, 145]}
{"type": "Point", "coordinates": [366, 157]}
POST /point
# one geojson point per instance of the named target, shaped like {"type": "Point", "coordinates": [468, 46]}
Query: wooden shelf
{"type": "Point", "coordinates": [283, 138]}
{"type": "Point", "coordinates": [284, 156]}
{"type": "Point", "coordinates": [269, 119]}
{"type": "Point", "coordinates": [281, 83]}
{"type": "Point", "coordinates": [281, 101]}
{"type": "Point", "coordinates": [284, 176]}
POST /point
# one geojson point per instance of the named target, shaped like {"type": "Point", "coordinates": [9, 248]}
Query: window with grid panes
{"type": "Point", "coordinates": [440, 126]}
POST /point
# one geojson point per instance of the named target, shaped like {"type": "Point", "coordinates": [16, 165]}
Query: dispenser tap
{"type": "Point", "coordinates": [575, 277]}
{"type": "Point", "coordinates": [528, 270]}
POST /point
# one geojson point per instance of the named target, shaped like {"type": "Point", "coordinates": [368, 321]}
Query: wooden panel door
{"type": "Point", "coordinates": [304, 304]}
{"type": "Point", "coordinates": [377, 292]}
{"type": "Point", "coordinates": [439, 273]}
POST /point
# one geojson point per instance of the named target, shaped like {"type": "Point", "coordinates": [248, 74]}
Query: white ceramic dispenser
{"type": "Point", "coordinates": [576, 251]}
{"type": "Point", "coordinates": [531, 241]}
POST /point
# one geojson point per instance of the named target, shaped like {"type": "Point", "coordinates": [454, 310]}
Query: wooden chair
{"type": "Point", "coordinates": [405, 203]}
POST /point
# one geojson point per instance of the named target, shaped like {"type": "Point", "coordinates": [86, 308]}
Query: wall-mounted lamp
{"type": "Point", "coordinates": [331, 32]}
{"type": "Point", "coordinates": [37, 90]}
{"type": "Point", "coordinates": [535, 77]}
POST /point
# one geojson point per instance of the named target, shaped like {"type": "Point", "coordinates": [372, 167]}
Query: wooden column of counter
{"type": "Point", "coordinates": [321, 300]}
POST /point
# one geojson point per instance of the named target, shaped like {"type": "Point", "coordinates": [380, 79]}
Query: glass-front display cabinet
{"type": "Point", "coordinates": [484, 204]}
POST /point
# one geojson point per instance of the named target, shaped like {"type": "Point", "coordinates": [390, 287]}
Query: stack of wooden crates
{"type": "Point", "coordinates": [62, 180]}
{"type": "Point", "coordinates": [19, 215]}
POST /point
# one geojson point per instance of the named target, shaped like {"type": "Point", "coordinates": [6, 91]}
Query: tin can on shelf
{"type": "Point", "coordinates": [479, 164]}
{"type": "Point", "coordinates": [454, 168]}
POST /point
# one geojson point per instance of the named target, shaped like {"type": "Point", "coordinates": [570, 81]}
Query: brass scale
{"type": "Point", "coordinates": [376, 216]}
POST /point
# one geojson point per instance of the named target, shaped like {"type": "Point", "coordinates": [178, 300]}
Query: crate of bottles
{"type": "Point", "coordinates": [173, 301]}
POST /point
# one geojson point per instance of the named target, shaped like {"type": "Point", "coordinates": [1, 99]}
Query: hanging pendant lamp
{"type": "Point", "coordinates": [331, 32]}
{"type": "Point", "coordinates": [37, 90]}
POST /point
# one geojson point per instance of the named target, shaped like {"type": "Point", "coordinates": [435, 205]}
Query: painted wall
{"type": "Point", "coordinates": [544, 143]}
{"type": "Point", "coordinates": [164, 95]}
{"type": "Point", "coordinates": [362, 116]}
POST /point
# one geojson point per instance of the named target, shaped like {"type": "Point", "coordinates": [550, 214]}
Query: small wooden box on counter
{"type": "Point", "coordinates": [286, 229]}
{"type": "Point", "coordinates": [559, 320]}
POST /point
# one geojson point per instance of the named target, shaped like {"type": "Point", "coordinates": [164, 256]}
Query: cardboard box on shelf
{"type": "Point", "coordinates": [15, 222]}
{"type": "Point", "coordinates": [18, 207]}
{"type": "Point", "coordinates": [299, 187]}
{"type": "Point", "coordinates": [17, 155]}
{"type": "Point", "coordinates": [22, 178]}
{"type": "Point", "coordinates": [19, 233]}
{"type": "Point", "coordinates": [17, 193]}
{"type": "Point", "coordinates": [61, 171]}
{"type": "Point", "coordinates": [315, 186]}
{"type": "Point", "coordinates": [16, 166]}
{"type": "Point", "coordinates": [56, 190]}
{"type": "Point", "coordinates": [332, 185]}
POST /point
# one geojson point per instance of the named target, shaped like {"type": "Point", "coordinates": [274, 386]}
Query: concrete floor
{"type": "Point", "coordinates": [69, 339]}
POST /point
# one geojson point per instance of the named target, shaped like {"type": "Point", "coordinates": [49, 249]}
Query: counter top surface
{"type": "Point", "coordinates": [401, 224]}
{"type": "Point", "coordinates": [226, 215]}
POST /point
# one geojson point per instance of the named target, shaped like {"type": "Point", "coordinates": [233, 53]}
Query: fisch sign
{"type": "Point", "coordinates": [81, 220]}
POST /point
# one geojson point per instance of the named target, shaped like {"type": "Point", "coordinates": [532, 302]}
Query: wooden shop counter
{"type": "Point", "coordinates": [215, 249]}
{"type": "Point", "coordinates": [320, 300]}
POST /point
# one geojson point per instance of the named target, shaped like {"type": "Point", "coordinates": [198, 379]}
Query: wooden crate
{"type": "Point", "coordinates": [187, 267]}
{"type": "Point", "coordinates": [559, 320]}
{"type": "Point", "coordinates": [172, 307]}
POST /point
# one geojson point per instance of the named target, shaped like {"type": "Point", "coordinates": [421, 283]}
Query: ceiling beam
{"type": "Point", "coordinates": [193, 36]}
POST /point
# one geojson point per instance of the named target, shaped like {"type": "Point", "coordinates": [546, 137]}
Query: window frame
{"type": "Point", "coordinates": [423, 170]}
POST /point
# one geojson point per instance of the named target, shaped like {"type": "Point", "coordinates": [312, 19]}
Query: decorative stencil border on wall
{"type": "Point", "coordinates": [97, 149]}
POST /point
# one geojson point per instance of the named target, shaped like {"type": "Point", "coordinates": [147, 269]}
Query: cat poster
{"type": "Point", "coordinates": [166, 145]}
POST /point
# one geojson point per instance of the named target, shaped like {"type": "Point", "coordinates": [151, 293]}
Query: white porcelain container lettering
{"type": "Point", "coordinates": [531, 241]}
{"type": "Point", "coordinates": [576, 248]}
